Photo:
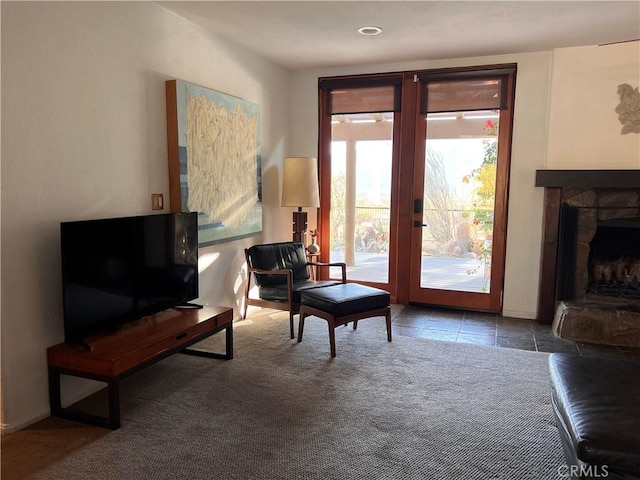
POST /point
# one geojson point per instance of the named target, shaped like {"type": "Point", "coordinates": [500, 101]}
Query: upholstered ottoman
{"type": "Point", "coordinates": [344, 303]}
{"type": "Point", "coordinates": [596, 402]}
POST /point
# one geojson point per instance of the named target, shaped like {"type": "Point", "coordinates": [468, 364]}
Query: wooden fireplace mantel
{"type": "Point", "coordinates": [588, 178]}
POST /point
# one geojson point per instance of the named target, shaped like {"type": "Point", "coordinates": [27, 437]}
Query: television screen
{"type": "Point", "coordinates": [118, 270]}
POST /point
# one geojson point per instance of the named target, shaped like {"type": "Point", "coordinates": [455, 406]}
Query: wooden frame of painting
{"type": "Point", "coordinates": [213, 141]}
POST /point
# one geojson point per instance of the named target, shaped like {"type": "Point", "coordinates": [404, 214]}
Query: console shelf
{"type": "Point", "coordinates": [136, 345]}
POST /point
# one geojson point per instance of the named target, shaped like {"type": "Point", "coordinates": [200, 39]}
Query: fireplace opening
{"type": "Point", "coordinates": [614, 259]}
{"type": "Point", "coordinates": [598, 253]}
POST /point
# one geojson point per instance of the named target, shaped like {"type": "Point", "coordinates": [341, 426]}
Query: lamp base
{"type": "Point", "coordinates": [299, 225]}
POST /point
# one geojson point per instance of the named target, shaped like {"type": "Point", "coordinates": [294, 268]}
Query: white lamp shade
{"type": "Point", "coordinates": [300, 182]}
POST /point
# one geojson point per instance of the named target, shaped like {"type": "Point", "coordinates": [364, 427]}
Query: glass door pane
{"type": "Point", "coordinates": [361, 165]}
{"type": "Point", "coordinates": [458, 203]}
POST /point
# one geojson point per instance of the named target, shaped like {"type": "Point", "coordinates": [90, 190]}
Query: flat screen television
{"type": "Point", "coordinates": [118, 270]}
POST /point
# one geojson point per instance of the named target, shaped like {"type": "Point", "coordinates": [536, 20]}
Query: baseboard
{"type": "Point", "coordinates": [14, 427]}
{"type": "Point", "coordinates": [92, 388]}
{"type": "Point", "coordinates": [519, 314]}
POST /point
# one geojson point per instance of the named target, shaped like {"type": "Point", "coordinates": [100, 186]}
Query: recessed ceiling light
{"type": "Point", "coordinates": [369, 30]}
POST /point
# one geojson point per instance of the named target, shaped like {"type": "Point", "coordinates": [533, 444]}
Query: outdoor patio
{"type": "Point", "coordinates": [451, 273]}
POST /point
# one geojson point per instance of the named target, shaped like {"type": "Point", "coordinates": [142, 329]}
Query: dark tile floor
{"type": "Point", "coordinates": [495, 330]}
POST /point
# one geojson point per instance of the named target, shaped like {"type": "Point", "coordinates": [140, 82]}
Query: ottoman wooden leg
{"type": "Point", "coordinates": [332, 337]}
{"type": "Point", "coordinates": [388, 318]}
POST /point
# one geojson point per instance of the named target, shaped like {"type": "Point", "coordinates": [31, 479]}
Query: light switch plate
{"type": "Point", "coordinates": [157, 201]}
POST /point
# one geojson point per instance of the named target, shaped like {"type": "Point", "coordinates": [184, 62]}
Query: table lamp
{"type": "Point", "coordinates": [300, 189]}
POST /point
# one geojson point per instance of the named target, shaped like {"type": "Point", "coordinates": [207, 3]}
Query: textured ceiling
{"type": "Point", "coordinates": [309, 34]}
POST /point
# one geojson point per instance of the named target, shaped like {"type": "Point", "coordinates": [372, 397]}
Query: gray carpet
{"type": "Point", "coordinates": [410, 409]}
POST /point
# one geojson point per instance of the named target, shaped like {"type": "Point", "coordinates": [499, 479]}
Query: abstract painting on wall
{"type": "Point", "coordinates": [214, 161]}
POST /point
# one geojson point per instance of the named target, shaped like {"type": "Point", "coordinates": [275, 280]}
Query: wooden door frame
{"type": "Point", "coordinates": [405, 184]}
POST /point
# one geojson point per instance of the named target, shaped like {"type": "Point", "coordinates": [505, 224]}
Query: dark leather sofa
{"type": "Point", "coordinates": [281, 271]}
{"type": "Point", "coordinates": [596, 402]}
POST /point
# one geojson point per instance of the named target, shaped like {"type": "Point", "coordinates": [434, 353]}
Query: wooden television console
{"type": "Point", "coordinates": [114, 356]}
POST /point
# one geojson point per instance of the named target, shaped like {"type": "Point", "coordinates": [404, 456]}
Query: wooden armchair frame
{"type": "Point", "coordinates": [289, 305]}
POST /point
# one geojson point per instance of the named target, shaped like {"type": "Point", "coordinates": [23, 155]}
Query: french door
{"type": "Point", "coordinates": [461, 165]}
{"type": "Point", "coordinates": [442, 141]}
{"type": "Point", "coordinates": [358, 172]}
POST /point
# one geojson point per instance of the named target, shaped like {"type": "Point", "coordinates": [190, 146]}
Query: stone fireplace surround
{"type": "Point", "coordinates": [599, 195]}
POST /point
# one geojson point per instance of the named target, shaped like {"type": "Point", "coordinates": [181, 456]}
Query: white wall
{"type": "Point", "coordinates": [584, 130]}
{"type": "Point", "coordinates": [529, 149]}
{"type": "Point", "coordinates": [84, 136]}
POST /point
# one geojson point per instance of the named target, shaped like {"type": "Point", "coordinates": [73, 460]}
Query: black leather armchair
{"type": "Point", "coordinates": [281, 272]}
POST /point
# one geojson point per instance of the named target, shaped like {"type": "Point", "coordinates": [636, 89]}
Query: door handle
{"type": "Point", "coordinates": [418, 223]}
